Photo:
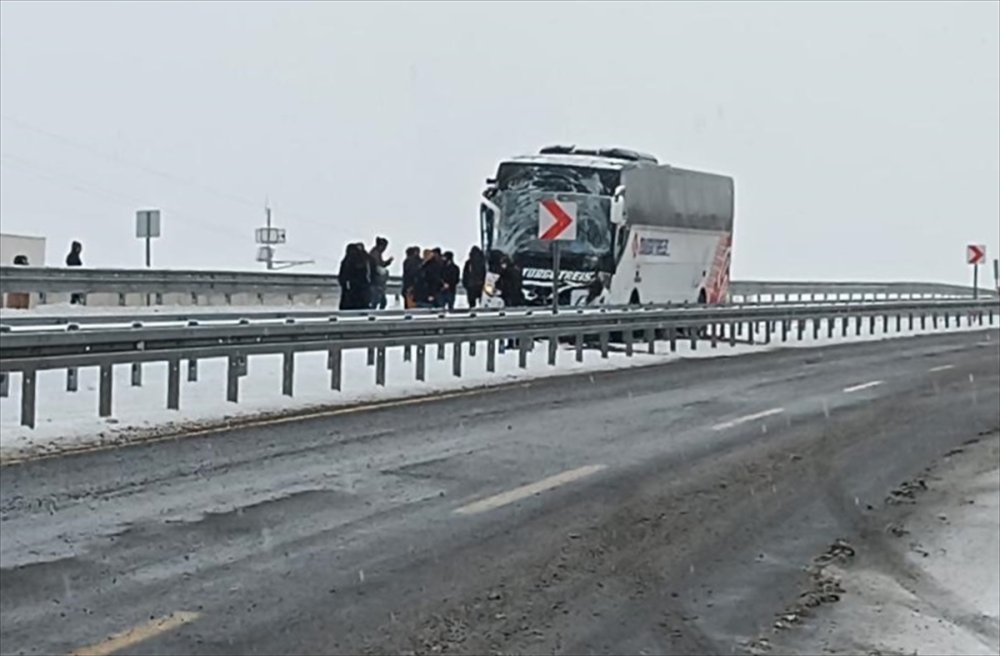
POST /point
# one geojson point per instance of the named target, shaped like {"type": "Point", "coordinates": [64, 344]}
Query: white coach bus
{"type": "Point", "coordinates": [646, 232]}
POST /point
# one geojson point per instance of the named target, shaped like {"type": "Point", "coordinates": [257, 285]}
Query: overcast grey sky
{"type": "Point", "coordinates": [864, 138]}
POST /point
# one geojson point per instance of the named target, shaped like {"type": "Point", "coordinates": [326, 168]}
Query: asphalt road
{"type": "Point", "coordinates": [660, 510]}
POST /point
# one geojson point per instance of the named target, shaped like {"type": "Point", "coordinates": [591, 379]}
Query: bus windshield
{"type": "Point", "coordinates": [523, 186]}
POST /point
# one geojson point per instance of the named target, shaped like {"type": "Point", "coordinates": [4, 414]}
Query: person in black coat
{"type": "Point", "coordinates": [510, 283]}
{"type": "Point", "coordinates": [474, 276]}
{"type": "Point", "coordinates": [355, 278]}
{"type": "Point", "coordinates": [411, 274]}
{"type": "Point", "coordinates": [73, 259]}
{"type": "Point", "coordinates": [432, 280]}
{"type": "Point", "coordinates": [450, 276]}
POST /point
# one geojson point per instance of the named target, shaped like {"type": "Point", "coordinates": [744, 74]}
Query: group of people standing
{"type": "Point", "coordinates": [431, 278]}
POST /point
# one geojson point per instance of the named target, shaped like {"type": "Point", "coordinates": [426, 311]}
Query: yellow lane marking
{"type": "Point", "coordinates": [525, 491]}
{"type": "Point", "coordinates": [137, 634]}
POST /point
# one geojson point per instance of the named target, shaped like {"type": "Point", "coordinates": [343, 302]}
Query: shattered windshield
{"type": "Point", "coordinates": [524, 186]}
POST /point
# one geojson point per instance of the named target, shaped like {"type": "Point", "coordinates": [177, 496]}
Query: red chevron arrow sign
{"type": "Point", "coordinates": [975, 253]}
{"type": "Point", "coordinates": [556, 220]}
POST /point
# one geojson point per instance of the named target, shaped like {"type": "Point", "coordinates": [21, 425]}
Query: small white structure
{"type": "Point", "coordinates": [14, 245]}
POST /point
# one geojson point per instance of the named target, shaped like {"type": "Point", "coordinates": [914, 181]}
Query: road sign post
{"type": "Point", "coordinates": [556, 222]}
{"type": "Point", "coordinates": [975, 254]}
{"type": "Point", "coordinates": [147, 226]}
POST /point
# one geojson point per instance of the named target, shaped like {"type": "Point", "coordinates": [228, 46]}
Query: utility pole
{"type": "Point", "coordinates": [270, 251]}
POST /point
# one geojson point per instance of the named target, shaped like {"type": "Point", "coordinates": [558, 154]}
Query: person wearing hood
{"type": "Point", "coordinates": [474, 276]}
{"type": "Point", "coordinates": [355, 278]}
{"type": "Point", "coordinates": [450, 277]}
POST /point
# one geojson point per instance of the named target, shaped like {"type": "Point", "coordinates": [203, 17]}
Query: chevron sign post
{"type": "Point", "coordinates": [975, 254]}
{"type": "Point", "coordinates": [556, 222]}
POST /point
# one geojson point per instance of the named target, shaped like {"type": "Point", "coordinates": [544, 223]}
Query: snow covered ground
{"type": "Point", "coordinates": [937, 589]}
{"type": "Point", "coordinates": [69, 420]}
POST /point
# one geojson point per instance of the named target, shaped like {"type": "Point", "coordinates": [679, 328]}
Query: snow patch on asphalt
{"type": "Point", "coordinates": [936, 589]}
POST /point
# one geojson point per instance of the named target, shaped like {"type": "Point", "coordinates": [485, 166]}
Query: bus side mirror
{"type": "Point", "coordinates": [618, 206]}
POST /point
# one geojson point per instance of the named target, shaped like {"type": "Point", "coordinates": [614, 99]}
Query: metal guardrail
{"type": "Point", "coordinates": [30, 351]}
{"type": "Point", "coordinates": [197, 286]}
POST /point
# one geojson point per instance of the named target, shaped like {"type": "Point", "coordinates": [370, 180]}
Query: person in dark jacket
{"type": "Point", "coordinates": [474, 276]}
{"type": "Point", "coordinates": [73, 260]}
{"type": "Point", "coordinates": [431, 279]}
{"type": "Point", "coordinates": [411, 272]}
{"type": "Point", "coordinates": [510, 283]}
{"type": "Point", "coordinates": [355, 278]}
{"type": "Point", "coordinates": [450, 277]}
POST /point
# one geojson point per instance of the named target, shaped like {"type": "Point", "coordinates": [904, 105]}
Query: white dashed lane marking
{"type": "Point", "coordinates": [862, 386]}
{"type": "Point", "coordinates": [525, 491]}
{"type": "Point", "coordinates": [742, 420]}
{"type": "Point", "coordinates": [943, 367]}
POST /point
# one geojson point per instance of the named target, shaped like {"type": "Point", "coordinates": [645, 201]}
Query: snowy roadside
{"type": "Point", "coordinates": [69, 421]}
{"type": "Point", "coordinates": [931, 585]}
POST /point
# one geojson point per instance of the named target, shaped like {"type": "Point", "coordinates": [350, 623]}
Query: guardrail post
{"type": "Point", "coordinates": [194, 298]}
{"type": "Point", "coordinates": [491, 355]}
{"type": "Point", "coordinates": [899, 323]}
{"type": "Point", "coordinates": [627, 334]}
{"type": "Point", "coordinates": [233, 379]}
{"type": "Point", "coordinates": [335, 362]}
{"type": "Point", "coordinates": [441, 355]}
{"type": "Point", "coordinates": [192, 370]}
{"type": "Point", "coordinates": [816, 321]}
{"type": "Point", "coordinates": [579, 347]}
{"type": "Point", "coordinates": [768, 327]}
{"type": "Point", "coordinates": [121, 299]}
{"type": "Point", "coordinates": [857, 326]}
{"type": "Point", "coordinates": [174, 384]}
{"type": "Point", "coordinates": [407, 353]}
{"type": "Point", "coordinates": [456, 359]}
{"type": "Point", "coordinates": [671, 333]}
{"type": "Point", "coordinates": [784, 330]}
{"type": "Point", "coordinates": [844, 321]}
{"type": "Point", "coordinates": [136, 374]}
{"type": "Point", "coordinates": [831, 324]}
{"type": "Point", "coordinates": [871, 325]}
{"type": "Point", "coordinates": [991, 315]}
{"type": "Point", "coordinates": [244, 364]}
{"type": "Point", "coordinates": [694, 337]}
{"type": "Point", "coordinates": [287, 373]}
{"type": "Point", "coordinates": [472, 349]}
{"type": "Point", "coordinates": [72, 379]}
{"type": "Point", "coordinates": [923, 321]}
{"type": "Point", "coordinates": [371, 356]}
{"type": "Point", "coordinates": [105, 391]}
{"type": "Point", "coordinates": [605, 338]}
{"type": "Point", "coordinates": [910, 321]}
{"type": "Point", "coordinates": [4, 384]}
{"type": "Point", "coordinates": [885, 323]}
{"type": "Point", "coordinates": [228, 298]}
{"type": "Point", "coordinates": [732, 332]}
{"type": "Point", "coordinates": [553, 348]}
{"type": "Point", "coordinates": [421, 362]}
{"type": "Point", "coordinates": [651, 340]}
{"type": "Point", "coordinates": [801, 328]}
{"type": "Point", "coordinates": [522, 348]}
{"type": "Point", "coordinates": [28, 388]}
{"type": "Point", "coordinates": [947, 320]}
{"type": "Point", "coordinates": [380, 366]}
